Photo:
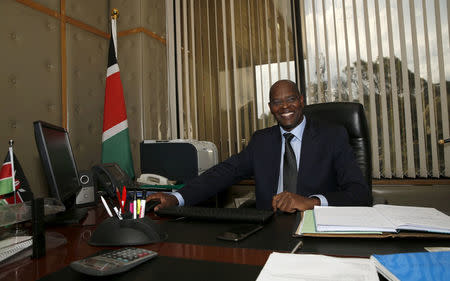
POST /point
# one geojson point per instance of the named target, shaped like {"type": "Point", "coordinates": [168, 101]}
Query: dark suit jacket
{"type": "Point", "coordinates": [327, 167]}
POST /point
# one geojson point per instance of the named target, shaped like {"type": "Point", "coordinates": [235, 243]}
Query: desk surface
{"type": "Point", "coordinates": [192, 245]}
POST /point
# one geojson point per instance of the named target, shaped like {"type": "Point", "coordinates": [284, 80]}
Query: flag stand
{"type": "Point", "coordinates": [11, 156]}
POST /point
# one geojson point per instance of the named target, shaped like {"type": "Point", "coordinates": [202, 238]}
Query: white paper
{"type": "Point", "coordinates": [437, 249]}
{"type": "Point", "coordinates": [383, 270]}
{"type": "Point", "coordinates": [351, 219]}
{"type": "Point", "coordinates": [416, 218]}
{"type": "Point", "coordinates": [283, 267]}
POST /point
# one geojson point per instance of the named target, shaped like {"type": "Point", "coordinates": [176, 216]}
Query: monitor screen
{"type": "Point", "coordinates": [59, 164]}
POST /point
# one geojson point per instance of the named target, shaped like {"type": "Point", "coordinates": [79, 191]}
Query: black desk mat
{"type": "Point", "coordinates": [168, 268]}
{"type": "Point", "coordinates": [276, 234]}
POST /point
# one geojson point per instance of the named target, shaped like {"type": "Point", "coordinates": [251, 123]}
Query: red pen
{"type": "Point", "coordinates": [124, 199]}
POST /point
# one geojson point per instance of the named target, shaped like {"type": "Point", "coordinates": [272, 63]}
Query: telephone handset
{"type": "Point", "coordinates": [153, 179]}
{"type": "Point", "coordinates": [110, 176]}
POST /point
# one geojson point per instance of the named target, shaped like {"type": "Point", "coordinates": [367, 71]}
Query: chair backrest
{"type": "Point", "coordinates": [351, 116]}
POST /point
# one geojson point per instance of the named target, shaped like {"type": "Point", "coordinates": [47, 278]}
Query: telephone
{"type": "Point", "coordinates": [153, 179]}
{"type": "Point", "coordinates": [110, 176]}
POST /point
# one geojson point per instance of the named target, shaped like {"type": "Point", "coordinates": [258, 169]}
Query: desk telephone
{"type": "Point", "coordinates": [153, 179]}
{"type": "Point", "coordinates": [110, 176]}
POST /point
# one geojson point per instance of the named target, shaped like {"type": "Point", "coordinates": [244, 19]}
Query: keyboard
{"type": "Point", "coordinates": [14, 245]}
{"type": "Point", "coordinates": [229, 214]}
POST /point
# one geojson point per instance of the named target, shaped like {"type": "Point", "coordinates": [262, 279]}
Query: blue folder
{"type": "Point", "coordinates": [414, 266]}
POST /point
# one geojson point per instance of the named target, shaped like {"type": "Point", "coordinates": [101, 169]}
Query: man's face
{"type": "Point", "coordinates": [286, 105]}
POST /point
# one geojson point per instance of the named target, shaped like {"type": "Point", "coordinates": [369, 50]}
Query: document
{"type": "Point", "coordinates": [308, 226]}
{"type": "Point", "coordinates": [385, 218]}
{"type": "Point", "coordinates": [425, 266]}
{"type": "Point", "coordinates": [282, 266]}
{"type": "Point", "coordinates": [437, 249]}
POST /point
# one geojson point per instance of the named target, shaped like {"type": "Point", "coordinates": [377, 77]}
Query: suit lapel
{"type": "Point", "coordinates": [275, 159]}
{"type": "Point", "coordinates": [307, 151]}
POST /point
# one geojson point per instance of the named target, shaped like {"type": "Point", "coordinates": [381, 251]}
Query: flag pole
{"type": "Point", "coordinates": [115, 13]}
{"type": "Point", "coordinates": [114, 17]}
{"type": "Point", "coordinates": [11, 156]}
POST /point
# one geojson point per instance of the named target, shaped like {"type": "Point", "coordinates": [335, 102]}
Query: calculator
{"type": "Point", "coordinates": [113, 261]}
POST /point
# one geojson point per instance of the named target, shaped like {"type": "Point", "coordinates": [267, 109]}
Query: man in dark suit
{"type": "Point", "coordinates": [296, 164]}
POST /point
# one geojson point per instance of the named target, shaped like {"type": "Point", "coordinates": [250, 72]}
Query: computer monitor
{"type": "Point", "coordinates": [59, 164]}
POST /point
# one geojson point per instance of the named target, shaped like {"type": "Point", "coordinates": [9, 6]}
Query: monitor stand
{"type": "Point", "coordinates": [73, 215]}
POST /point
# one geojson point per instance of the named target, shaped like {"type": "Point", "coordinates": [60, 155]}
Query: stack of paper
{"type": "Point", "coordinates": [385, 218]}
{"type": "Point", "coordinates": [280, 267]}
{"type": "Point", "coordinates": [307, 226]}
{"type": "Point", "coordinates": [425, 266]}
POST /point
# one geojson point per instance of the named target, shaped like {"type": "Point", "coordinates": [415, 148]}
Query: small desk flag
{"type": "Point", "coordinates": [115, 139]}
{"type": "Point", "coordinates": [21, 183]}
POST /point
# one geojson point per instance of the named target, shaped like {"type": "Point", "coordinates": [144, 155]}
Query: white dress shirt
{"type": "Point", "coordinates": [296, 144]}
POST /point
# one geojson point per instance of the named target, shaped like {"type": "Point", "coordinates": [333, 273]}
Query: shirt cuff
{"type": "Point", "coordinates": [179, 198]}
{"type": "Point", "coordinates": [323, 200]}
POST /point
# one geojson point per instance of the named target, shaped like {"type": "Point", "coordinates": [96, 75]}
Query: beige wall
{"type": "Point", "coordinates": [33, 73]}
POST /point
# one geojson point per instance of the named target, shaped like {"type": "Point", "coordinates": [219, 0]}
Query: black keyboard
{"type": "Point", "coordinates": [230, 214]}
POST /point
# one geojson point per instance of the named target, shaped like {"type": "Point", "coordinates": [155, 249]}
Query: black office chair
{"type": "Point", "coordinates": [351, 116]}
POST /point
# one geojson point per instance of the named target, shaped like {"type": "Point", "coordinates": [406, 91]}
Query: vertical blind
{"type": "Point", "coordinates": [394, 58]}
{"type": "Point", "coordinates": [228, 54]}
{"type": "Point", "coordinates": [391, 56]}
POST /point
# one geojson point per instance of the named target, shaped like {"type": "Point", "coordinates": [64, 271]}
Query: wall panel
{"type": "Point", "coordinates": [93, 13]}
{"type": "Point", "coordinates": [155, 104]}
{"type": "Point", "coordinates": [30, 84]}
{"type": "Point", "coordinates": [151, 11]}
{"type": "Point", "coordinates": [86, 70]}
{"type": "Point", "coordinates": [37, 63]}
{"type": "Point", "coordinates": [130, 60]}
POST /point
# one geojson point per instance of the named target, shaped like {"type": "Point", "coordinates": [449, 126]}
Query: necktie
{"type": "Point", "coordinates": [289, 165]}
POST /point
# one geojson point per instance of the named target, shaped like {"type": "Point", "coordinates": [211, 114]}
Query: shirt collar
{"type": "Point", "coordinates": [297, 131]}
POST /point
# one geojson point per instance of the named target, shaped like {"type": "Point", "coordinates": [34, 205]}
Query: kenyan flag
{"type": "Point", "coordinates": [6, 177]}
{"type": "Point", "coordinates": [20, 182]}
{"type": "Point", "coordinates": [115, 139]}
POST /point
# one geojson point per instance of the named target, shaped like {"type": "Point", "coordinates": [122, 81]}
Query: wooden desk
{"type": "Point", "coordinates": [77, 247]}
{"type": "Point", "coordinates": [192, 251]}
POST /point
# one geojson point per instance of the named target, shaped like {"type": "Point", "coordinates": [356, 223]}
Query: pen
{"type": "Point", "coordinates": [124, 199]}
{"type": "Point", "coordinates": [142, 208]}
{"type": "Point", "coordinates": [134, 206]}
{"type": "Point", "coordinates": [298, 246]}
{"type": "Point", "coordinates": [138, 207]}
{"type": "Point", "coordinates": [117, 213]}
{"type": "Point", "coordinates": [106, 206]}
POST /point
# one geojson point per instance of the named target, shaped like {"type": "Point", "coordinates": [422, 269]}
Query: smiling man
{"type": "Point", "coordinates": [296, 164]}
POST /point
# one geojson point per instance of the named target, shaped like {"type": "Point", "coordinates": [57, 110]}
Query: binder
{"type": "Point", "coordinates": [385, 218]}
{"type": "Point", "coordinates": [306, 228]}
{"type": "Point", "coordinates": [425, 266]}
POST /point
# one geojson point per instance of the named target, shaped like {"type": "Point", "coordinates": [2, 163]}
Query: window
{"type": "Point", "coordinates": [229, 53]}
{"type": "Point", "coordinates": [394, 58]}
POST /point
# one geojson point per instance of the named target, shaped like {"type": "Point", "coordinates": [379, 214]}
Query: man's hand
{"type": "Point", "coordinates": [167, 200]}
{"type": "Point", "coordinates": [291, 202]}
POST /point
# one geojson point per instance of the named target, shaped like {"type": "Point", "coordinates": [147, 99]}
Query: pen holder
{"type": "Point", "coordinates": [127, 232]}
